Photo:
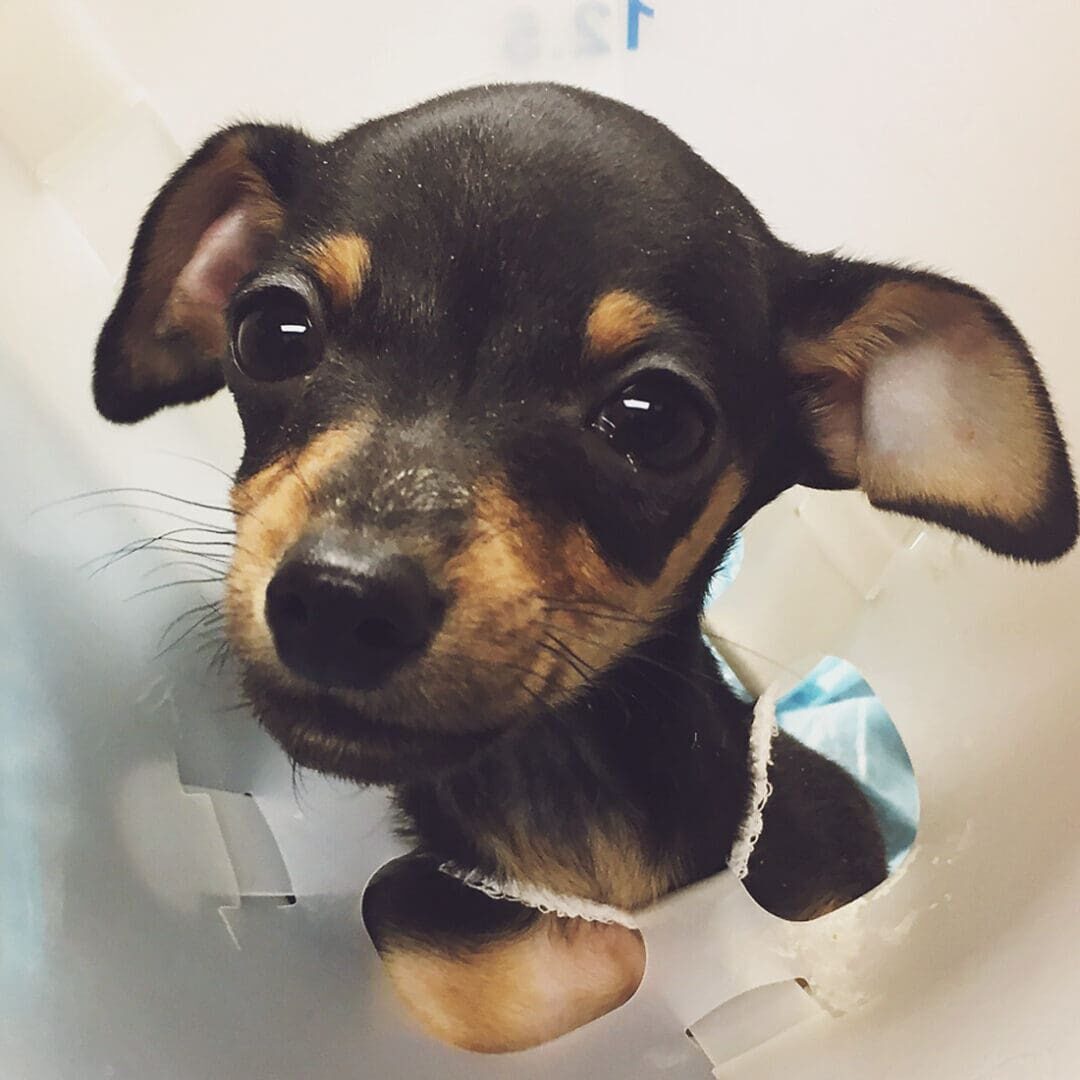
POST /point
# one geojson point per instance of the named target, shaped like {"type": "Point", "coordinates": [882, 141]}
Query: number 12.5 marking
{"type": "Point", "coordinates": [524, 40]}
{"type": "Point", "coordinates": [637, 9]}
{"type": "Point", "coordinates": [589, 16]}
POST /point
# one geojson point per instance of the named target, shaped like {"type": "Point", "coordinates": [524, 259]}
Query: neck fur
{"type": "Point", "coordinates": [634, 789]}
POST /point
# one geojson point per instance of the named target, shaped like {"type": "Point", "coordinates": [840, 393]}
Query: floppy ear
{"type": "Point", "coordinates": [207, 228]}
{"type": "Point", "coordinates": [919, 390]}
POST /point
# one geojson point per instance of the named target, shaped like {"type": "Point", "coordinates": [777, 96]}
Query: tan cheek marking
{"type": "Point", "coordinates": [195, 205]}
{"type": "Point", "coordinates": [497, 584]}
{"type": "Point", "coordinates": [1009, 477]}
{"type": "Point", "coordinates": [618, 321]}
{"type": "Point", "coordinates": [273, 509]}
{"type": "Point", "coordinates": [520, 993]}
{"type": "Point", "coordinates": [342, 261]}
{"type": "Point", "coordinates": [687, 553]}
{"type": "Point", "coordinates": [594, 579]}
{"type": "Point", "coordinates": [498, 616]}
{"type": "Point", "coordinates": [510, 580]}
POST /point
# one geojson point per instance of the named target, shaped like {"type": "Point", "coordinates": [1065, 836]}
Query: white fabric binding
{"type": "Point", "coordinates": [544, 900]}
{"type": "Point", "coordinates": [762, 730]}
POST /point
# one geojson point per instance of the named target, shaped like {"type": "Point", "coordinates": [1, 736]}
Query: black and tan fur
{"type": "Point", "coordinates": [484, 272]}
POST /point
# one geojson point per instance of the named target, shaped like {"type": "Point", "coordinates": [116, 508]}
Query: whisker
{"type": "Point", "coordinates": [509, 665]}
{"type": "Point", "coordinates": [131, 491]}
{"type": "Point", "coordinates": [175, 564]}
{"type": "Point", "coordinates": [636, 654]}
{"type": "Point", "coordinates": [242, 704]}
{"type": "Point", "coordinates": [173, 535]}
{"type": "Point", "coordinates": [608, 616]}
{"type": "Point", "coordinates": [191, 547]}
{"type": "Point", "coordinates": [213, 639]}
{"type": "Point", "coordinates": [297, 780]}
{"type": "Point", "coordinates": [221, 657]}
{"type": "Point", "coordinates": [155, 510]}
{"type": "Point", "coordinates": [190, 630]}
{"type": "Point", "coordinates": [589, 639]}
{"type": "Point", "coordinates": [198, 461]}
{"type": "Point", "coordinates": [290, 464]}
{"type": "Point", "coordinates": [709, 632]}
{"type": "Point", "coordinates": [209, 558]}
{"type": "Point", "coordinates": [582, 673]}
{"type": "Point", "coordinates": [585, 601]}
{"type": "Point", "coordinates": [185, 614]}
{"type": "Point", "coordinates": [174, 584]}
{"type": "Point", "coordinates": [570, 652]}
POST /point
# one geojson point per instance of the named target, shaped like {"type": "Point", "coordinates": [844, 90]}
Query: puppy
{"type": "Point", "coordinates": [513, 368]}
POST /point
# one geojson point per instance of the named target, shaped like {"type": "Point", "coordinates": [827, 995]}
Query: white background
{"type": "Point", "coordinates": [941, 134]}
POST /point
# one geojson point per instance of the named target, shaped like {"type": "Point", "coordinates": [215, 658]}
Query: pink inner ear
{"type": "Point", "coordinates": [952, 421]}
{"type": "Point", "coordinates": [227, 251]}
{"type": "Point", "coordinates": [224, 254]}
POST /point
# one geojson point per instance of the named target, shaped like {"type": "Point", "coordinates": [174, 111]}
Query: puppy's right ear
{"type": "Point", "coordinates": [208, 227]}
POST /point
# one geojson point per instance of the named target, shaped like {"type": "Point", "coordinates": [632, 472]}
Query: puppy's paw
{"type": "Point", "coordinates": [489, 975]}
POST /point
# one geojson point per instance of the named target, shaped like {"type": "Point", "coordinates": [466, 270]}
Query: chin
{"type": "Point", "coordinates": [329, 736]}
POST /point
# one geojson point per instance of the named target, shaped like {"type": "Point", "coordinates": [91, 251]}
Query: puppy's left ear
{"type": "Point", "coordinates": [919, 390]}
{"type": "Point", "coordinates": [209, 226]}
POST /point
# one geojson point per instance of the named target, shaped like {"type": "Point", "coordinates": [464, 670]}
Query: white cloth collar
{"type": "Point", "coordinates": [762, 731]}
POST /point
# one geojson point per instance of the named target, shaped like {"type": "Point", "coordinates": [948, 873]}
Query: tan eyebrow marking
{"type": "Point", "coordinates": [342, 261]}
{"type": "Point", "coordinates": [618, 321]}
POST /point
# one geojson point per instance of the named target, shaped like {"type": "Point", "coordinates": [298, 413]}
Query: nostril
{"type": "Point", "coordinates": [291, 609]}
{"type": "Point", "coordinates": [347, 621]}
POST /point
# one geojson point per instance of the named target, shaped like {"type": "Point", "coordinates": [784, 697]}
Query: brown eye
{"type": "Point", "coordinates": [275, 337]}
{"type": "Point", "coordinates": [657, 421]}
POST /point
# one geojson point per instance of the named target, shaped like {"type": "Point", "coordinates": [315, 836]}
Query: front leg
{"type": "Point", "coordinates": [821, 846]}
{"type": "Point", "coordinates": [493, 975]}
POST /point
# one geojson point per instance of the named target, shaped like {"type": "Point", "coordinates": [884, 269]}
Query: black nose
{"type": "Point", "coordinates": [347, 621]}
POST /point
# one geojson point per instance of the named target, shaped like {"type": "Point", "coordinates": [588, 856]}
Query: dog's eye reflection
{"type": "Point", "coordinates": [276, 338]}
{"type": "Point", "coordinates": [657, 421]}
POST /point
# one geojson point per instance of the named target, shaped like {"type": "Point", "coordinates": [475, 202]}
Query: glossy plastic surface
{"type": "Point", "coordinates": [144, 916]}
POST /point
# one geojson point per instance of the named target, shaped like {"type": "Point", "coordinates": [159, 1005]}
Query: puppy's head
{"type": "Point", "coordinates": [512, 368]}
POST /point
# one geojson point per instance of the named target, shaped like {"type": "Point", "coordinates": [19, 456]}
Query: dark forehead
{"type": "Point", "coordinates": [559, 165]}
{"type": "Point", "coordinates": [509, 189]}
{"type": "Point", "coordinates": [496, 219]}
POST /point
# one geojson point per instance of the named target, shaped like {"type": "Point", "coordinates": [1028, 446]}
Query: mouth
{"type": "Point", "coordinates": [322, 733]}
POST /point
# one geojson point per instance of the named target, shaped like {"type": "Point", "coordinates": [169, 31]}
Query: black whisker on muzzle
{"type": "Point", "coordinates": [214, 640]}
{"type": "Point", "coordinates": [177, 564]}
{"type": "Point", "coordinates": [198, 461]}
{"type": "Point", "coordinates": [131, 490]}
{"type": "Point", "coordinates": [593, 609]}
{"type": "Point", "coordinates": [699, 686]}
{"type": "Point", "coordinates": [206, 526]}
{"type": "Point", "coordinates": [563, 654]}
{"type": "Point", "coordinates": [177, 539]}
{"type": "Point", "coordinates": [174, 584]}
{"type": "Point", "coordinates": [211, 606]}
{"type": "Point", "coordinates": [210, 618]}
{"type": "Point", "coordinates": [526, 672]}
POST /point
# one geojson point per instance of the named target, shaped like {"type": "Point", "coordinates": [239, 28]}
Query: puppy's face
{"type": "Point", "coordinates": [512, 367]}
{"type": "Point", "coordinates": [503, 431]}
